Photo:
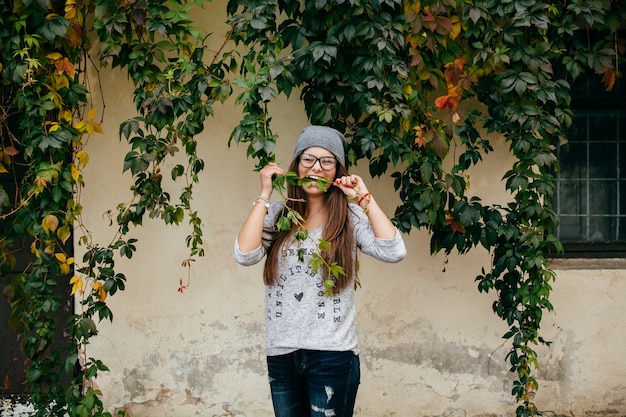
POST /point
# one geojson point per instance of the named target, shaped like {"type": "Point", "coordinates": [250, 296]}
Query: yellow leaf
{"type": "Point", "coordinates": [34, 250]}
{"type": "Point", "coordinates": [456, 27]}
{"type": "Point", "coordinates": [50, 223]}
{"type": "Point", "coordinates": [81, 126]}
{"type": "Point", "coordinates": [3, 169]}
{"type": "Point", "coordinates": [60, 257]}
{"type": "Point", "coordinates": [70, 12]}
{"type": "Point", "coordinates": [60, 82]}
{"type": "Point", "coordinates": [96, 127]}
{"type": "Point", "coordinates": [83, 158]}
{"type": "Point", "coordinates": [55, 56]}
{"type": "Point", "coordinates": [77, 284]}
{"type": "Point", "coordinates": [98, 288]}
{"type": "Point", "coordinates": [66, 115]}
{"type": "Point", "coordinates": [65, 269]}
{"type": "Point", "coordinates": [75, 173]}
{"type": "Point", "coordinates": [92, 114]}
{"type": "Point", "coordinates": [55, 126]}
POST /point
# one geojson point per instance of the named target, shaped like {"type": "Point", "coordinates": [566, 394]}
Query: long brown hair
{"type": "Point", "coordinates": [337, 232]}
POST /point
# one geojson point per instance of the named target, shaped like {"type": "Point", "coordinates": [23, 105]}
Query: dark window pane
{"type": "Point", "coordinates": [602, 228]}
{"type": "Point", "coordinates": [603, 125]}
{"type": "Point", "coordinates": [573, 228]}
{"type": "Point", "coordinates": [573, 160]}
{"type": "Point", "coordinates": [603, 160]}
{"type": "Point", "coordinates": [602, 197]}
{"type": "Point", "coordinates": [578, 131]}
{"type": "Point", "coordinates": [572, 197]}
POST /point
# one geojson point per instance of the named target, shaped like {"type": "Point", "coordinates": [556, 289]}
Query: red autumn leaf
{"type": "Point", "coordinates": [11, 151]}
{"type": "Point", "coordinates": [443, 102]}
{"type": "Point", "coordinates": [608, 78]}
{"type": "Point", "coordinates": [420, 140]}
{"type": "Point", "coordinates": [455, 225]}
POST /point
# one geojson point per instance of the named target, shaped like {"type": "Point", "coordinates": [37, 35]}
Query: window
{"type": "Point", "coordinates": [590, 196]}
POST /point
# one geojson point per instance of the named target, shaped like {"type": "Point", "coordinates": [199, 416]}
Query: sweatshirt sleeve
{"type": "Point", "coordinates": [269, 231]}
{"type": "Point", "coordinates": [385, 250]}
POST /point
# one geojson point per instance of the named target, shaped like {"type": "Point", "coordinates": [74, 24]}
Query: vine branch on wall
{"type": "Point", "coordinates": [393, 75]}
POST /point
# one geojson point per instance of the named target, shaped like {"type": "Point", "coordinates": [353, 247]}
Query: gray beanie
{"type": "Point", "coordinates": [324, 137]}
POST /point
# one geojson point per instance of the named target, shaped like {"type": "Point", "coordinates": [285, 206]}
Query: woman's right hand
{"type": "Point", "coordinates": [267, 174]}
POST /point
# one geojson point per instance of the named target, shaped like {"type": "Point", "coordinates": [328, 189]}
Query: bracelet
{"type": "Point", "coordinates": [263, 199]}
{"type": "Point", "coordinates": [363, 197]}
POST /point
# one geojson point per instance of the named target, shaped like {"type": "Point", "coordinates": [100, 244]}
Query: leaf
{"type": "Point", "coordinates": [11, 151]}
{"type": "Point", "coordinates": [77, 284]}
{"type": "Point", "coordinates": [98, 288]}
{"type": "Point", "coordinates": [64, 233]}
{"type": "Point", "coordinates": [50, 224]}
{"type": "Point", "coordinates": [474, 14]}
{"type": "Point", "coordinates": [83, 158]}
{"type": "Point", "coordinates": [55, 56]}
{"type": "Point", "coordinates": [283, 224]}
{"type": "Point", "coordinates": [75, 173]}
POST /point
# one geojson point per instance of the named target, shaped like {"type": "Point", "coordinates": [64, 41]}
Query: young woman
{"type": "Point", "coordinates": [311, 344]}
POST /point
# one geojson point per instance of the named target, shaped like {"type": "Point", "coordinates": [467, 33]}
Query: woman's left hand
{"type": "Point", "coordinates": [352, 186]}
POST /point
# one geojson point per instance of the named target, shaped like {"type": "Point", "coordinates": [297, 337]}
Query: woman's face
{"type": "Point", "coordinates": [316, 162]}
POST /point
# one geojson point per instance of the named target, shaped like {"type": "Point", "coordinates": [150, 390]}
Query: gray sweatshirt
{"type": "Point", "coordinates": [297, 313]}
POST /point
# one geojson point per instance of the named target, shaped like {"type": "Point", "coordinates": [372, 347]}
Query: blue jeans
{"type": "Point", "coordinates": [311, 383]}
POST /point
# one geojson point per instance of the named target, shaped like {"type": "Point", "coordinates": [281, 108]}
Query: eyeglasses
{"type": "Point", "coordinates": [326, 162]}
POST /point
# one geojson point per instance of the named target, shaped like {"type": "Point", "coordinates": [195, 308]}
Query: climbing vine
{"type": "Point", "coordinates": [46, 121]}
{"type": "Point", "coordinates": [396, 76]}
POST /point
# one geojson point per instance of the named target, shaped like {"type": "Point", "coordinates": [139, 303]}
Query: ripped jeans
{"type": "Point", "coordinates": [311, 383]}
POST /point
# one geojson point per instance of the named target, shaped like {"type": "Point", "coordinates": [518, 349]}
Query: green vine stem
{"type": "Point", "coordinates": [292, 220]}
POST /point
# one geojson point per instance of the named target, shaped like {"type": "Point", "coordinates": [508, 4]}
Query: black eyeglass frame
{"type": "Point", "coordinates": [336, 161]}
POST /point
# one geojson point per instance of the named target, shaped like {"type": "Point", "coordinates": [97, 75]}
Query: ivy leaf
{"type": "Point", "coordinates": [77, 284]}
{"type": "Point", "coordinates": [49, 141]}
{"type": "Point", "coordinates": [283, 224]}
{"type": "Point", "coordinates": [54, 26]}
{"type": "Point", "coordinates": [50, 223]}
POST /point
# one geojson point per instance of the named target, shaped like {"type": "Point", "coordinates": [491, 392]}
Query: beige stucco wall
{"type": "Point", "coordinates": [430, 342]}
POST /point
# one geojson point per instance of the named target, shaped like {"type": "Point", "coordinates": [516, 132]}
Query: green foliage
{"type": "Point", "coordinates": [395, 76]}
{"type": "Point", "coordinates": [293, 220]}
{"type": "Point", "coordinates": [517, 58]}
{"type": "Point", "coordinates": [44, 126]}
